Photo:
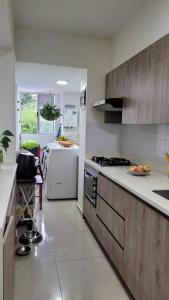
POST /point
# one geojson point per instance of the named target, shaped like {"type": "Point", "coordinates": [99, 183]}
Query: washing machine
{"type": "Point", "coordinates": [60, 165]}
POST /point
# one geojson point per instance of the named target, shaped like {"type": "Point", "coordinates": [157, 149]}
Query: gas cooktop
{"type": "Point", "coordinates": [112, 161]}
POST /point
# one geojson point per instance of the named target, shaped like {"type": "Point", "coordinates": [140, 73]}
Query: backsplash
{"type": "Point", "coordinates": [146, 144]}
{"type": "Point", "coordinates": [103, 139]}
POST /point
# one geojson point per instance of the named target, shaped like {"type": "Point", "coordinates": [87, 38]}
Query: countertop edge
{"type": "Point", "coordinates": [147, 200]}
{"type": "Point", "coordinates": [11, 169]}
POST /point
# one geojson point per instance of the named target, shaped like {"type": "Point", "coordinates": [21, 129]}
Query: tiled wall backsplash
{"type": "Point", "coordinates": [103, 139]}
{"type": "Point", "coordinates": [146, 144]}
{"type": "Point", "coordinates": [139, 143]}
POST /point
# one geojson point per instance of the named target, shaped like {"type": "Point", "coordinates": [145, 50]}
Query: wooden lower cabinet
{"type": "Point", "coordinates": [146, 252]}
{"type": "Point", "coordinates": [89, 212]}
{"type": "Point", "coordinates": [137, 244]}
{"type": "Point", "coordinates": [113, 194]}
{"type": "Point", "coordinates": [114, 223]}
{"type": "Point", "coordinates": [111, 247]}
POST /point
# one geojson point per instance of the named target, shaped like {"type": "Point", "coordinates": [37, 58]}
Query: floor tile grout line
{"type": "Point", "coordinates": [78, 259]}
{"type": "Point", "coordinates": [60, 286]}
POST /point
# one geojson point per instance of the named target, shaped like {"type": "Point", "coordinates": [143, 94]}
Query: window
{"type": "Point", "coordinates": [31, 120]}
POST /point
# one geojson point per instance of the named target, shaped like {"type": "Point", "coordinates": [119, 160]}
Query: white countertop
{"type": "Point", "coordinates": [7, 175]}
{"type": "Point", "coordinates": [57, 146]}
{"type": "Point", "coordinates": [141, 186]}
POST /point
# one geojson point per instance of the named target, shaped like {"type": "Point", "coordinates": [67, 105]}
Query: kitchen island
{"type": "Point", "coordinates": [7, 230]}
{"type": "Point", "coordinates": [131, 223]}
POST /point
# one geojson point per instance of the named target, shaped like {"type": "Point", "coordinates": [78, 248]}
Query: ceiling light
{"type": "Point", "coordinates": [61, 82]}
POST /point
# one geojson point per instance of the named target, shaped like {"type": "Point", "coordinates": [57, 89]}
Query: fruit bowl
{"type": "Point", "coordinates": [140, 170]}
{"type": "Point", "coordinates": [66, 144]}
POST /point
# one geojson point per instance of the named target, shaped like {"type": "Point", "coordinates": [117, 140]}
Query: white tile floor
{"type": "Point", "coordinates": [68, 264]}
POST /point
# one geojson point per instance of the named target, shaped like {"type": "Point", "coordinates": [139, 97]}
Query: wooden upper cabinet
{"type": "Point", "coordinates": [114, 83]}
{"type": "Point", "coordinates": [154, 83]}
{"type": "Point", "coordinates": [143, 81]}
{"type": "Point", "coordinates": [130, 92]}
{"type": "Point", "coordinates": [161, 81]}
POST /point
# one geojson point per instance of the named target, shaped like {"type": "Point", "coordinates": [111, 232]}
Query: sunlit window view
{"type": "Point", "coordinates": [31, 120]}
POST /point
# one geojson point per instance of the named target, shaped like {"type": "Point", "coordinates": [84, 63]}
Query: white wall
{"type": "Point", "coordinates": [7, 100]}
{"type": "Point", "coordinates": [7, 75]}
{"type": "Point", "coordinates": [71, 51]}
{"type": "Point", "coordinates": [151, 23]}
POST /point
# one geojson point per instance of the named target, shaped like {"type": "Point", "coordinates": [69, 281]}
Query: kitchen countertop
{"type": "Point", "coordinates": [141, 186]}
{"type": "Point", "coordinates": [57, 146]}
{"type": "Point", "coordinates": [7, 175]}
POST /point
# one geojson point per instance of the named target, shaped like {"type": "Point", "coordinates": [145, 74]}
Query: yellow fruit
{"type": "Point", "coordinates": [167, 157]}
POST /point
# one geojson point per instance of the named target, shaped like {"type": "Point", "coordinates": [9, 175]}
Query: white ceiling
{"type": "Point", "coordinates": [99, 18]}
{"type": "Point", "coordinates": [32, 77]}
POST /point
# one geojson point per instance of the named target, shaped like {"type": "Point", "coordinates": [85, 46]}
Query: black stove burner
{"type": "Point", "coordinates": [113, 161]}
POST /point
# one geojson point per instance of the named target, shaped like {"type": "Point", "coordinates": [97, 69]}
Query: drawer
{"type": "Point", "coordinates": [113, 194]}
{"type": "Point", "coordinates": [111, 247]}
{"type": "Point", "coordinates": [89, 212]}
{"type": "Point", "coordinates": [114, 223]}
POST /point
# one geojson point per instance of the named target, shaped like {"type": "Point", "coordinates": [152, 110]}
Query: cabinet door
{"type": "Point", "coordinates": [111, 247]}
{"type": "Point", "coordinates": [146, 263]}
{"type": "Point", "coordinates": [8, 259]}
{"type": "Point", "coordinates": [111, 219]}
{"type": "Point", "coordinates": [131, 91]}
{"type": "Point", "coordinates": [115, 83]}
{"type": "Point", "coordinates": [89, 212]}
{"type": "Point", "coordinates": [113, 195]}
{"type": "Point", "coordinates": [161, 81]}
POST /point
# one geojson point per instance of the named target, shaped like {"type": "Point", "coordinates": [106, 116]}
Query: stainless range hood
{"type": "Point", "coordinates": [111, 104]}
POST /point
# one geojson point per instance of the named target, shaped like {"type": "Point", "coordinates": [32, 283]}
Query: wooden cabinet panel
{"type": "Point", "coordinates": [114, 195]}
{"type": "Point", "coordinates": [161, 81]}
{"type": "Point", "coordinates": [113, 250]}
{"type": "Point", "coordinates": [146, 264]}
{"type": "Point", "coordinates": [111, 219]}
{"type": "Point", "coordinates": [143, 81]}
{"type": "Point", "coordinates": [146, 82]}
{"type": "Point", "coordinates": [89, 212]}
{"type": "Point", "coordinates": [114, 83]}
{"type": "Point", "coordinates": [131, 91]}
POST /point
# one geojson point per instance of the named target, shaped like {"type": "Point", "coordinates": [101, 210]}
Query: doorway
{"type": "Point", "coordinates": [37, 84]}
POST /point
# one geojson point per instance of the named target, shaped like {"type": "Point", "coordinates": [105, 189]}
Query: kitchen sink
{"type": "Point", "coordinates": [163, 193]}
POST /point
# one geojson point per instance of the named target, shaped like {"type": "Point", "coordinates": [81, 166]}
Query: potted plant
{"type": "Point", "coordinates": [4, 143]}
{"type": "Point", "coordinates": [31, 146]}
{"type": "Point", "coordinates": [50, 112]}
